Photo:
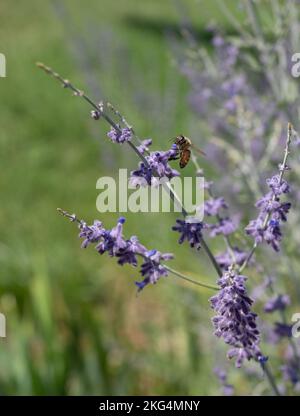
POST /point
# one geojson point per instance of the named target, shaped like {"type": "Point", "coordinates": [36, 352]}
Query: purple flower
{"type": "Point", "coordinates": [266, 228]}
{"type": "Point", "coordinates": [143, 147]}
{"type": "Point", "coordinates": [91, 233]}
{"type": "Point", "coordinates": [112, 240]}
{"type": "Point", "coordinates": [218, 41]}
{"type": "Point", "coordinates": [152, 269]}
{"type": "Point", "coordinates": [141, 177]}
{"type": "Point", "coordinates": [127, 254]}
{"type": "Point", "coordinates": [277, 303]}
{"type": "Point", "coordinates": [191, 232]}
{"type": "Point", "coordinates": [278, 186]}
{"type": "Point", "coordinates": [282, 330]}
{"type": "Point", "coordinates": [228, 389]}
{"type": "Point", "coordinates": [157, 166]}
{"type": "Point", "coordinates": [225, 226]}
{"type": "Point", "coordinates": [126, 251]}
{"type": "Point", "coordinates": [235, 322]}
{"type": "Point", "coordinates": [259, 290]}
{"type": "Point", "coordinates": [291, 371]}
{"type": "Point", "coordinates": [225, 259]}
{"type": "Point", "coordinates": [213, 206]}
{"type": "Point", "coordinates": [291, 368]}
{"type": "Point", "coordinates": [122, 136]}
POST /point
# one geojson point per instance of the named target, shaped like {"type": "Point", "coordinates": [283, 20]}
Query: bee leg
{"type": "Point", "coordinates": [174, 158]}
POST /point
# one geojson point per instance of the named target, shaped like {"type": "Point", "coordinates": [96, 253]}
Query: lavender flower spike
{"type": "Point", "coordinates": [126, 251]}
{"type": "Point", "coordinates": [272, 211]}
{"type": "Point", "coordinates": [235, 322]}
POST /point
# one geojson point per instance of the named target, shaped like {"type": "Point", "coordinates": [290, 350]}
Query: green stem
{"type": "Point", "coordinates": [184, 277]}
{"type": "Point", "coordinates": [270, 378]}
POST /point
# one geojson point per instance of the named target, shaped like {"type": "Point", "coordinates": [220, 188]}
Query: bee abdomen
{"type": "Point", "coordinates": [184, 159]}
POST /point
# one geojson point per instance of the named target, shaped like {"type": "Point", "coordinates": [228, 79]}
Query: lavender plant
{"type": "Point", "coordinates": [234, 321]}
{"type": "Point", "coordinates": [244, 93]}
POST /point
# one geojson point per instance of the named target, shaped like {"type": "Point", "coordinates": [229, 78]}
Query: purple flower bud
{"type": "Point", "coordinates": [95, 114]}
{"type": "Point", "coordinates": [143, 147]}
{"type": "Point", "coordinates": [92, 233]}
{"type": "Point", "coordinates": [213, 206]}
{"type": "Point", "coordinates": [278, 186]}
{"type": "Point", "coordinates": [122, 136]}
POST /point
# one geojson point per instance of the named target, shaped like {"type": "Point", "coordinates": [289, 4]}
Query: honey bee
{"type": "Point", "coordinates": [184, 146]}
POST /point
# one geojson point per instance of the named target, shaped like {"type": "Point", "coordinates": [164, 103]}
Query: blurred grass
{"type": "Point", "coordinates": [74, 324]}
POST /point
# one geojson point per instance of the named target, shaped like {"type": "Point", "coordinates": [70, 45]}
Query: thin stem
{"type": "Point", "coordinates": [99, 108]}
{"type": "Point", "coordinates": [184, 277]}
{"type": "Point", "coordinates": [282, 170]}
{"type": "Point", "coordinates": [211, 257]}
{"type": "Point", "coordinates": [249, 257]}
{"type": "Point", "coordinates": [267, 371]}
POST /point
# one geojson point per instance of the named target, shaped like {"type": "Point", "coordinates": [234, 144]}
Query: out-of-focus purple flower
{"type": "Point", "coordinates": [213, 206]}
{"type": "Point", "coordinates": [235, 322]}
{"type": "Point", "coordinates": [218, 41]}
{"type": "Point", "coordinates": [225, 259]}
{"type": "Point", "coordinates": [225, 226]}
{"type": "Point", "coordinates": [291, 371]}
{"type": "Point", "coordinates": [233, 86]}
{"type": "Point", "coordinates": [277, 303]}
{"type": "Point", "coordinates": [120, 137]}
{"type": "Point", "coordinates": [157, 166]}
{"type": "Point", "coordinates": [291, 368]}
{"type": "Point", "coordinates": [260, 290]}
{"type": "Point", "coordinates": [228, 389]}
{"type": "Point", "coordinates": [152, 269]}
{"type": "Point", "coordinates": [282, 330]}
{"type": "Point", "coordinates": [191, 232]}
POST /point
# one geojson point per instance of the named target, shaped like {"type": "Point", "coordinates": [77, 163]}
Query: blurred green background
{"type": "Point", "coordinates": [74, 322]}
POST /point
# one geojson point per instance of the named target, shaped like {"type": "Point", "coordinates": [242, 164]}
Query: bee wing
{"type": "Point", "coordinates": [172, 139]}
{"type": "Point", "coordinates": [196, 149]}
